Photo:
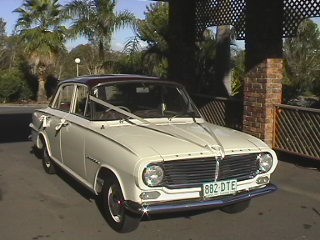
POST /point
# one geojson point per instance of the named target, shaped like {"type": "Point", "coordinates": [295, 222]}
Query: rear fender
{"type": "Point", "coordinates": [42, 141]}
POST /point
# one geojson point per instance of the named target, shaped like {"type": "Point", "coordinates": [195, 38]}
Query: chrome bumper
{"type": "Point", "coordinates": [199, 204]}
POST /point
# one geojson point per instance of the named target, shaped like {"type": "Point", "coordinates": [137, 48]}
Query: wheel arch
{"type": "Point", "coordinates": [42, 141]}
{"type": "Point", "coordinates": [126, 221]}
{"type": "Point", "coordinates": [103, 172]}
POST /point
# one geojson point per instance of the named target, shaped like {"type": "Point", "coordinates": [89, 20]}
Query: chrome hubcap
{"type": "Point", "coordinates": [114, 204]}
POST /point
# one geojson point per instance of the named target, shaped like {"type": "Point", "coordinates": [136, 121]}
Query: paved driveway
{"type": "Point", "coordinates": [14, 121]}
{"type": "Point", "coordinates": [34, 205]}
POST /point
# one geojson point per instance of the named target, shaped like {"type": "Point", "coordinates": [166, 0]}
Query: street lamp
{"type": "Point", "coordinates": [77, 61]}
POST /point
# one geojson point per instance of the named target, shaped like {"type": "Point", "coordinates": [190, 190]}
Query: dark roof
{"type": "Point", "coordinates": [93, 80]}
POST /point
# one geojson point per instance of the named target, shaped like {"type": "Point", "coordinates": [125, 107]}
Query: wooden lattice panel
{"type": "Point", "coordinates": [295, 11]}
{"type": "Point", "coordinates": [221, 111]}
{"type": "Point", "coordinates": [233, 12]}
{"type": "Point", "coordinates": [215, 112]}
{"type": "Point", "coordinates": [297, 130]}
{"type": "Point", "coordinates": [220, 12]}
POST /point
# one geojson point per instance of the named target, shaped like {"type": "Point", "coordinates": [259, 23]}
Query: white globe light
{"type": "Point", "coordinates": [77, 60]}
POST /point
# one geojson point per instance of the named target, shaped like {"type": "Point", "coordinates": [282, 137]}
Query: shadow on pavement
{"type": "Point", "coordinates": [299, 160]}
{"type": "Point", "coordinates": [68, 179]}
{"type": "Point", "coordinates": [14, 127]}
{"type": "Point", "coordinates": [78, 187]}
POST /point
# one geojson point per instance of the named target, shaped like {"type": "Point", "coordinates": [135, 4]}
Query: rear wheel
{"type": "Point", "coordinates": [47, 163]}
{"type": "Point", "coordinates": [236, 208]}
{"type": "Point", "coordinates": [116, 215]}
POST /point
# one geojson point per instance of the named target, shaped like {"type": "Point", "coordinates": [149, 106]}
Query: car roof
{"type": "Point", "coordinates": [94, 80]}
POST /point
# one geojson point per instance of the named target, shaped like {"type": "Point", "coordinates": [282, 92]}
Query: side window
{"type": "Point", "coordinates": [64, 98]}
{"type": "Point", "coordinates": [81, 105]}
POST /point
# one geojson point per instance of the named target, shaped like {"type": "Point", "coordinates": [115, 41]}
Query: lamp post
{"type": "Point", "coordinates": [77, 61]}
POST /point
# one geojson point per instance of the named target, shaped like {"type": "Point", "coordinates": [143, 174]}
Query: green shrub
{"type": "Point", "coordinates": [13, 86]}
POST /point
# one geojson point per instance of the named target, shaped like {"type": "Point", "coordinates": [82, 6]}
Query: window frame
{"type": "Point", "coordinates": [60, 89]}
{"type": "Point", "coordinates": [76, 90]}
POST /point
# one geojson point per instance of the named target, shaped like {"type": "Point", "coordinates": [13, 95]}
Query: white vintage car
{"type": "Point", "coordinates": [141, 145]}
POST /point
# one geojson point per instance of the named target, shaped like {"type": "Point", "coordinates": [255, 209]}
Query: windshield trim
{"type": "Point", "coordinates": [147, 81]}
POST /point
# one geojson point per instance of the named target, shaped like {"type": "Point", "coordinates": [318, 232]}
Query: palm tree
{"type": "Point", "coordinates": [97, 21]}
{"type": "Point", "coordinates": [154, 30]}
{"type": "Point", "coordinates": [43, 36]}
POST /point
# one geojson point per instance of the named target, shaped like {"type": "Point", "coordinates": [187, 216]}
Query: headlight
{"type": "Point", "coordinates": [153, 175]}
{"type": "Point", "coordinates": [265, 162]}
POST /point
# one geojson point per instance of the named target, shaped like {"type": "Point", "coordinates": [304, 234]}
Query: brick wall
{"type": "Point", "coordinates": [262, 89]}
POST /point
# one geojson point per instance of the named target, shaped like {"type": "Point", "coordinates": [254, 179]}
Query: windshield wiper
{"type": "Point", "coordinates": [126, 119]}
{"type": "Point", "coordinates": [187, 113]}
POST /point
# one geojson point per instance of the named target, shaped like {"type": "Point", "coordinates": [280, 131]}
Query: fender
{"type": "Point", "coordinates": [46, 141]}
{"type": "Point", "coordinates": [115, 173]}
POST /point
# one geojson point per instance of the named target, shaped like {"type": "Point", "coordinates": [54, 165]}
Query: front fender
{"type": "Point", "coordinates": [102, 153]}
{"type": "Point", "coordinates": [129, 188]}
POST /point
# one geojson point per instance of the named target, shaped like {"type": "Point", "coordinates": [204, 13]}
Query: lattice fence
{"type": "Point", "coordinates": [233, 12]}
{"type": "Point", "coordinates": [225, 112]}
{"type": "Point", "coordinates": [295, 11]}
{"type": "Point", "coordinates": [220, 12]}
{"type": "Point", "coordinates": [215, 112]}
{"type": "Point", "coordinates": [297, 130]}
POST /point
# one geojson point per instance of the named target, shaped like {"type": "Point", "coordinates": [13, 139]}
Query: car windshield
{"type": "Point", "coordinates": [143, 99]}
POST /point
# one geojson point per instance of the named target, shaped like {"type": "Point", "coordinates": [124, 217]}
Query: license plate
{"type": "Point", "coordinates": [219, 188]}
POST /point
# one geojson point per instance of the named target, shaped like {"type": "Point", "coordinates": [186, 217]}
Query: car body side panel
{"type": "Point", "coordinates": [73, 144]}
{"type": "Point", "coordinates": [103, 152]}
{"type": "Point", "coordinates": [53, 137]}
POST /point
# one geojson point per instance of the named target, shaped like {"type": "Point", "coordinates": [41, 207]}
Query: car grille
{"type": "Point", "coordinates": [195, 172]}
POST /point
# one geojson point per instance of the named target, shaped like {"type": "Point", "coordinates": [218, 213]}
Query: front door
{"type": "Point", "coordinates": [73, 145]}
{"type": "Point", "coordinates": [73, 134]}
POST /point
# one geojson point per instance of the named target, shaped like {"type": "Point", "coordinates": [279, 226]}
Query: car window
{"type": "Point", "coordinates": [81, 104]}
{"type": "Point", "coordinates": [146, 100]}
{"type": "Point", "coordinates": [64, 98]}
{"type": "Point", "coordinates": [113, 95]}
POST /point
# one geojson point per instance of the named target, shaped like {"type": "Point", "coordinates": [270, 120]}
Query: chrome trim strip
{"type": "Point", "coordinates": [93, 160]}
{"type": "Point", "coordinates": [181, 206]}
{"type": "Point", "coordinates": [216, 174]}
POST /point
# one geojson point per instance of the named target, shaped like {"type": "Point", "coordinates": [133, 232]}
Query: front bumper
{"type": "Point", "coordinates": [198, 204]}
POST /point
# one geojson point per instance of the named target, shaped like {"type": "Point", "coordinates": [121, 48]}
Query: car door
{"type": "Point", "coordinates": [73, 133]}
{"type": "Point", "coordinates": [60, 109]}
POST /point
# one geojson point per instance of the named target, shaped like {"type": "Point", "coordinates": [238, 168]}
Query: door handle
{"type": "Point", "coordinates": [61, 124]}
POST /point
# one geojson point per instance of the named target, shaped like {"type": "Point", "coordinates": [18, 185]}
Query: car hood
{"type": "Point", "coordinates": [181, 140]}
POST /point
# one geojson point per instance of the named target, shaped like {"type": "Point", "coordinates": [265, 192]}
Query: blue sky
{"type": "Point", "coordinates": [137, 7]}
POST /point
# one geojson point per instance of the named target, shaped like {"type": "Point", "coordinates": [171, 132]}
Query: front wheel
{"type": "Point", "coordinates": [113, 207]}
{"type": "Point", "coordinates": [236, 208]}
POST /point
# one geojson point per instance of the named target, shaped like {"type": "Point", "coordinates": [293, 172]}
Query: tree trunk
{"type": "Point", "coordinates": [41, 95]}
{"type": "Point", "coordinates": [223, 66]}
{"type": "Point", "coordinates": [101, 51]}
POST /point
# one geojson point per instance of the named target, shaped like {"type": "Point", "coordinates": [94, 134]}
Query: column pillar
{"type": "Point", "coordinates": [264, 67]}
{"type": "Point", "coordinates": [182, 42]}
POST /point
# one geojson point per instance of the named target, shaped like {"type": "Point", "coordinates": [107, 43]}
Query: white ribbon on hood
{"type": "Point", "coordinates": [216, 149]}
